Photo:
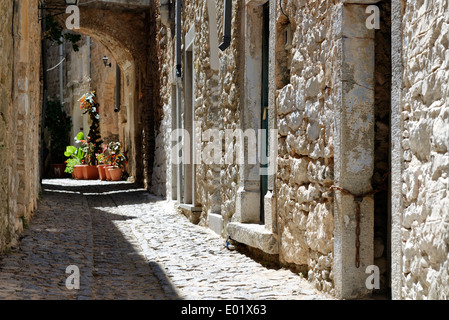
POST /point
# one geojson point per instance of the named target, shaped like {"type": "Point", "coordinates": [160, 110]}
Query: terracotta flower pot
{"type": "Point", "coordinates": [106, 171]}
{"type": "Point", "coordinates": [90, 173]}
{"type": "Point", "coordinates": [115, 173]}
{"type": "Point", "coordinates": [78, 171]}
{"type": "Point", "coordinates": [102, 171]}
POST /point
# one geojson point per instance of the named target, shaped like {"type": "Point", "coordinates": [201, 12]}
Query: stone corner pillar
{"type": "Point", "coordinates": [247, 206]}
{"type": "Point", "coordinates": [354, 151]}
{"type": "Point", "coordinates": [396, 151]}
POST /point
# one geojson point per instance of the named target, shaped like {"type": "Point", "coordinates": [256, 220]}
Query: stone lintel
{"type": "Point", "coordinates": [360, 1]}
{"type": "Point", "coordinates": [131, 4]}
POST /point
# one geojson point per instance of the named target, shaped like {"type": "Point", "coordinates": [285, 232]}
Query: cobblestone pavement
{"type": "Point", "coordinates": [129, 244]}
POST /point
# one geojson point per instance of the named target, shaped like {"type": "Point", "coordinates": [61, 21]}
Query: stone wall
{"type": "Point", "coordinates": [163, 177]}
{"type": "Point", "coordinates": [19, 117]}
{"type": "Point", "coordinates": [304, 103]}
{"type": "Point", "coordinates": [128, 32]}
{"type": "Point", "coordinates": [217, 103]}
{"type": "Point", "coordinates": [230, 93]}
{"type": "Point", "coordinates": [425, 138]}
{"type": "Point", "coordinates": [306, 128]}
{"type": "Point", "coordinates": [84, 71]}
{"type": "Point", "coordinates": [69, 81]}
{"type": "Point", "coordinates": [6, 68]}
{"type": "Point", "coordinates": [76, 82]}
{"type": "Point", "coordinates": [103, 81]}
{"type": "Point", "coordinates": [315, 46]}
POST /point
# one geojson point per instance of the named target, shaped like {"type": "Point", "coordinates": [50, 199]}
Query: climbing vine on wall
{"type": "Point", "coordinates": [55, 34]}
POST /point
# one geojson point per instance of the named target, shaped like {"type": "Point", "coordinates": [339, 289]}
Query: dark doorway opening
{"type": "Point", "coordinates": [264, 106]}
{"type": "Point", "coordinates": [382, 161]}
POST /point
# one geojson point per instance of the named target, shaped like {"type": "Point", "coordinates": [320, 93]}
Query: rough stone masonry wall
{"type": "Point", "coordinates": [230, 104]}
{"type": "Point", "coordinates": [206, 104]}
{"type": "Point", "coordinates": [77, 82]}
{"type": "Point", "coordinates": [84, 71]}
{"type": "Point", "coordinates": [230, 93]}
{"type": "Point", "coordinates": [305, 123]}
{"type": "Point", "coordinates": [217, 104]}
{"type": "Point", "coordinates": [19, 117]}
{"type": "Point", "coordinates": [6, 67]}
{"type": "Point", "coordinates": [425, 143]}
{"type": "Point", "coordinates": [206, 112]}
{"type": "Point", "coordinates": [103, 82]}
{"type": "Point", "coordinates": [161, 182]}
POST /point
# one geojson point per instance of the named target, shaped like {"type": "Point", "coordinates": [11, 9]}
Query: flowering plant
{"type": "Point", "coordinates": [88, 102]}
{"type": "Point", "coordinates": [118, 158]}
{"type": "Point", "coordinates": [104, 157]}
{"type": "Point", "coordinates": [89, 151]}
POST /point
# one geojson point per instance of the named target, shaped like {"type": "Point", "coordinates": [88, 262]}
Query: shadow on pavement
{"type": "Point", "coordinates": [79, 224]}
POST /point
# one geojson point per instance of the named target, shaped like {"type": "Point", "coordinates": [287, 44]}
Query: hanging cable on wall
{"type": "Point", "coordinates": [56, 65]}
{"type": "Point", "coordinates": [282, 10]}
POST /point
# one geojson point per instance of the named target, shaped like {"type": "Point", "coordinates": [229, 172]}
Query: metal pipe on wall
{"type": "Point", "coordinates": [88, 55]}
{"type": "Point", "coordinates": [178, 92]}
{"type": "Point", "coordinates": [178, 38]}
{"type": "Point", "coordinates": [227, 25]}
{"type": "Point", "coordinates": [118, 88]}
{"type": "Point", "coordinates": [61, 72]}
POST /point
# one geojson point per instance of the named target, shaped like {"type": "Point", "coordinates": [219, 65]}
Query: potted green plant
{"type": "Point", "coordinates": [59, 125]}
{"type": "Point", "coordinates": [74, 165]}
{"type": "Point", "coordinates": [103, 161]}
{"type": "Point", "coordinates": [118, 161]}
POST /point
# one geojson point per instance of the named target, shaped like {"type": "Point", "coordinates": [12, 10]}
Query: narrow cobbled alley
{"type": "Point", "coordinates": [129, 244]}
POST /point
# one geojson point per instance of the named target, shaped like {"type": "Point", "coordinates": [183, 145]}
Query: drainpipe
{"type": "Point", "coordinates": [88, 55]}
{"type": "Point", "coordinates": [178, 39]}
{"type": "Point", "coordinates": [61, 73]}
{"type": "Point", "coordinates": [118, 88]}
{"type": "Point", "coordinates": [178, 91]}
{"type": "Point", "coordinates": [227, 22]}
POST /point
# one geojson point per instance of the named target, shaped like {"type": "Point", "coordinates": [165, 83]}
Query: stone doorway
{"type": "Point", "coordinates": [382, 149]}
{"type": "Point", "coordinates": [264, 106]}
{"type": "Point", "coordinates": [188, 172]}
{"type": "Point", "coordinates": [253, 222]}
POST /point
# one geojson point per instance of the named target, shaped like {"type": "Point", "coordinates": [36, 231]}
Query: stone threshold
{"type": "Point", "coordinates": [191, 212]}
{"type": "Point", "coordinates": [215, 222]}
{"type": "Point", "coordinates": [190, 207]}
{"type": "Point", "coordinates": [254, 235]}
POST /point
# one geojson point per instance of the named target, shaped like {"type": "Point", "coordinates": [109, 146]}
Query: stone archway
{"type": "Point", "coordinates": [129, 33]}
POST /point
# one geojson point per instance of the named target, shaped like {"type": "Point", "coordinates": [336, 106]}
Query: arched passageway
{"type": "Point", "coordinates": [128, 32]}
